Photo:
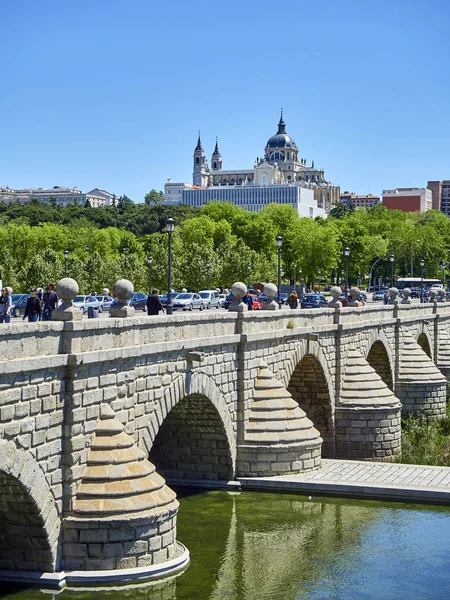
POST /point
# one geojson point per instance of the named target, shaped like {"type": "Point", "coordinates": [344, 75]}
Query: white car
{"type": "Point", "coordinates": [188, 301]}
{"type": "Point", "coordinates": [210, 298]}
{"type": "Point", "coordinates": [222, 298]}
{"type": "Point", "coordinates": [84, 302]}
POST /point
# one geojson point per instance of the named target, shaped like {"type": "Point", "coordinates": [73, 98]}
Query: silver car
{"type": "Point", "coordinates": [210, 298]}
{"type": "Point", "coordinates": [84, 302]}
{"type": "Point", "coordinates": [105, 301]}
{"type": "Point", "coordinates": [188, 302]}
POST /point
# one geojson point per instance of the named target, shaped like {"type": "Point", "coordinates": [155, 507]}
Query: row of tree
{"type": "Point", "coordinates": [33, 238]}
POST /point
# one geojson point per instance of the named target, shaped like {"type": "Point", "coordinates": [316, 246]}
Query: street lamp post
{"type": "Point", "coordinates": [249, 270]}
{"type": "Point", "coordinates": [319, 277]}
{"type": "Point", "coordinates": [208, 266]}
{"type": "Point", "coordinates": [66, 255]}
{"type": "Point", "coordinates": [392, 259]}
{"type": "Point", "coordinates": [422, 264]}
{"type": "Point", "coordinates": [300, 281]}
{"type": "Point", "coordinates": [279, 241]}
{"type": "Point", "coordinates": [149, 262]}
{"type": "Point", "coordinates": [443, 267]}
{"type": "Point", "coordinates": [346, 254]}
{"type": "Point", "coordinates": [295, 279]}
{"type": "Point", "coordinates": [170, 225]}
{"type": "Point", "coordinates": [359, 278]}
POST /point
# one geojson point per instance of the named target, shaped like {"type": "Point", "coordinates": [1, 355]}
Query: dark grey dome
{"type": "Point", "coordinates": [281, 140]}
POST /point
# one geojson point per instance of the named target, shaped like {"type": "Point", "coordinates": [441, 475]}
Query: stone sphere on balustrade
{"type": "Point", "coordinates": [355, 292]}
{"type": "Point", "coordinates": [123, 289]}
{"type": "Point", "coordinates": [238, 289]}
{"type": "Point", "coordinates": [270, 290]}
{"type": "Point", "coordinates": [335, 292]}
{"type": "Point", "coordinates": [105, 292]}
{"type": "Point", "coordinates": [67, 288]}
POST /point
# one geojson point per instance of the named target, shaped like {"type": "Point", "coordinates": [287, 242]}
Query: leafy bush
{"type": "Point", "coordinates": [426, 441]}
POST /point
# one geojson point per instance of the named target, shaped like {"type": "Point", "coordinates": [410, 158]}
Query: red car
{"type": "Point", "coordinates": [257, 304]}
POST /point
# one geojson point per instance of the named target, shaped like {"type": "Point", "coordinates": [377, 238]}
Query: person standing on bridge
{"type": "Point", "coordinates": [5, 306]}
{"type": "Point", "coordinates": [293, 299]}
{"type": "Point", "coordinates": [154, 303]}
{"type": "Point", "coordinates": [49, 302]}
{"type": "Point", "coordinates": [33, 307]}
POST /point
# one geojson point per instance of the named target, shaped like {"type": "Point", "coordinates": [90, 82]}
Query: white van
{"type": "Point", "coordinates": [210, 298]}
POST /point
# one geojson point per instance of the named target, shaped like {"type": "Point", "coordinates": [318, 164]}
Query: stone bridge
{"type": "Point", "coordinates": [94, 414]}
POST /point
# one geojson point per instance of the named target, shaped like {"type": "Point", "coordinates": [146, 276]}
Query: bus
{"type": "Point", "coordinates": [415, 283]}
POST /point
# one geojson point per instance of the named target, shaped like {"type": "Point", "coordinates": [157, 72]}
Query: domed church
{"type": "Point", "coordinates": [280, 166]}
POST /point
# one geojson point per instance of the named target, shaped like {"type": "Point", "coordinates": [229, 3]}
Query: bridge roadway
{"type": "Point", "coordinates": [361, 479]}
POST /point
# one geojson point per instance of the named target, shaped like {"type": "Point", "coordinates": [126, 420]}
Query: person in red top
{"type": "Point", "coordinates": [33, 307]}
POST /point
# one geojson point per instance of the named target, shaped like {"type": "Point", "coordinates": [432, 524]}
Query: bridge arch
{"type": "Point", "coordinates": [191, 434]}
{"type": "Point", "coordinates": [29, 518]}
{"type": "Point", "coordinates": [308, 379]}
{"type": "Point", "coordinates": [378, 354]}
{"type": "Point", "coordinates": [423, 339]}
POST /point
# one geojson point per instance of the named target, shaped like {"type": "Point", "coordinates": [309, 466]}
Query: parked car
{"type": "Point", "coordinates": [139, 301]}
{"type": "Point", "coordinates": [263, 298]}
{"type": "Point", "coordinates": [19, 303]}
{"type": "Point", "coordinates": [343, 299]}
{"type": "Point", "coordinates": [105, 301]}
{"type": "Point", "coordinates": [84, 302]}
{"type": "Point", "coordinates": [222, 298]}
{"type": "Point", "coordinates": [228, 300]}
{"type": "Point", "coordinates": [313, 301]}
{"type": "Point", "coordinates": [163, 298]}
{"type": "Point", "coordinates": [378, 296]}
{"type": "Point", "coordinates": [210, 298]}
{"type": "Point", "coordinates": [188, 301]}
{"type": "Point", "coordinates": [257, 304]}
{"type": "Point", "coordinates": [283, 297]}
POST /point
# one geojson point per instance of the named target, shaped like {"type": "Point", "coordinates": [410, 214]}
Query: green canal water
{"type": "Point", "coordinates": [256, 546]}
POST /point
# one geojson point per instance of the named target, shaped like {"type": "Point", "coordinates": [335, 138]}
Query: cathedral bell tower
{"type": "Point", "coordinates": [200, 176]}
{"type": "Point", "coordinates": [216, 159]}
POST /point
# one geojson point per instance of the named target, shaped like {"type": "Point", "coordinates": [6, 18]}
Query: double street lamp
{"type": "Point", "coordinates": [346, 254]}
{"type": "Point", "coordinates": [392, 259]}
{"type": "Point", "coordinates": [279, 241]}
{"type": "Point", "coordinates": [170, 225]}
{"type": "Point", "coordinates": [149, 262]}
{"type": "Point", "coordinates": [422, 264]}
{"type": "Point", "coordinates": [66, 255]}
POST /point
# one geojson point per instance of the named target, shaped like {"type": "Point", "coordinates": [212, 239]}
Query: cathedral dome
{"type": "Point", "coordinates": [281, 139]}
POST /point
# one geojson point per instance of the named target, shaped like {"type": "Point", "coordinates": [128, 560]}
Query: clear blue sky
{"type": "Point", "coordinates": [111, 93]}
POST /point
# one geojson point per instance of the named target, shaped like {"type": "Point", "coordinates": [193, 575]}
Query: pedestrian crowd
{"type": "Point", "coordinates": [40, 305]}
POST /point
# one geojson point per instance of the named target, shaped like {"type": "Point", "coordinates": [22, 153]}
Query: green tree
{"type": "Point", "coordinates": [153, 197]}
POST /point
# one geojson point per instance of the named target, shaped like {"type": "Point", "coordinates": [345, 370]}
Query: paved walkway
{"type": "Point", "coordinates": [359, 479]}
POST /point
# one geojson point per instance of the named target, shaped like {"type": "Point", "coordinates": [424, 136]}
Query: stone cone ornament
{"type": "Point", "coordinates": [119, 479]}
{"type": "Point", "coordinates": [275, 417]}
{"type": "Point", "coordinates": [415, 365]}
{"type": "Point", "coordinates": [362, 385]}
{"type": "Point", "coordinates": [444, 350]}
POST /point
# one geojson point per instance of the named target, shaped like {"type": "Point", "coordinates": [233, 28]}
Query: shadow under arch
{"type": "Point", "coordinates": [308, 385]}
{"type": "Point", "coordinates": [192, 436]}
{"type": "Point", "coordinates": [378, 359]}
{"type": "Point", "coordinates": [29, 519]}
{"type": "Point", "coordinates": [424, 343]}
